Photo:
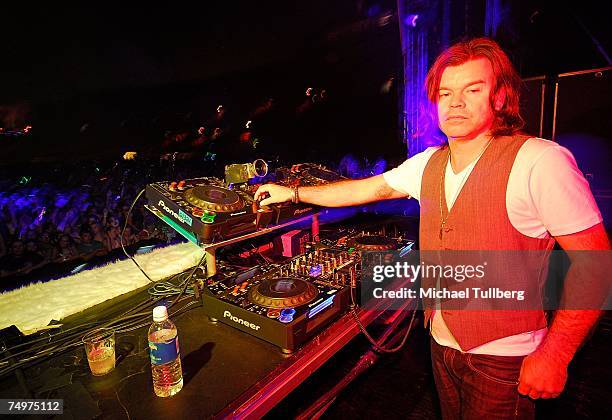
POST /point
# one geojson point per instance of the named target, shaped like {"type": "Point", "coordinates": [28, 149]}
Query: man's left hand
{"type": "Point", "coordinates": [542, 376]}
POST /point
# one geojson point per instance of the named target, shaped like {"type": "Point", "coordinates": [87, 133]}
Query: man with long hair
{"type": "Point", "coordinates": [489, 188]}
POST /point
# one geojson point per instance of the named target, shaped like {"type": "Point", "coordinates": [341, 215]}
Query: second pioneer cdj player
{"type": "Point", "coordinates": [286, 304]}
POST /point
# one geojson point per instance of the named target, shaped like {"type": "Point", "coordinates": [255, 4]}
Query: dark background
{"type": "Point", "coordinates": [100, 80]}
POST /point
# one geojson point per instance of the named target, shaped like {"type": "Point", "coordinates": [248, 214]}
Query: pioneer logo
{"type": "Point", "coordinates": [227, 314]}
{"type": "Point", "coordinates": [238, 214]}
{"type": "Point", "coordinates": [180, 216]}
{"type": "Point", "coordinates": [300, 211]}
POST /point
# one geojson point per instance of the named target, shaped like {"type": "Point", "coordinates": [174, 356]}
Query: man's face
{"type": "Point", "coordinates": [464, 109]}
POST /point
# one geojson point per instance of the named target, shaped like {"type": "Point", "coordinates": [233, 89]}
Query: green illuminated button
{"type": "Point", "coordinates": [208, 217]}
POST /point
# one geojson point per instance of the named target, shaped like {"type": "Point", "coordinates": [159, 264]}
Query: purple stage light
{"type": "Point", "coordinates": [411, 20]}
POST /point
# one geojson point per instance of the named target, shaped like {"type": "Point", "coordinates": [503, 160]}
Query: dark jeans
{"type": "Point", "coordinates": [475, 386]}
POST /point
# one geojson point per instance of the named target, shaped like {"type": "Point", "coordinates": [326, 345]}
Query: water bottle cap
{"type": "Point", "coordinates": [160, 313]}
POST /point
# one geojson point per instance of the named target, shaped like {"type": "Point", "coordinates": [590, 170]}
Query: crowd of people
{"type": "Point", "coordinates": [69, 214]}
{"type": "Point", "coordinates": [63, 212]}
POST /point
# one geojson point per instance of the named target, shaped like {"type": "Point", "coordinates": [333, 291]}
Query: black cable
{"type": "Point", "coordinates": [379, 346]}
{"type": "Point", "coordinates": [40, 346]}
{"type": "Point", "coordinates": [142, 303]}
{"type": "Point", "coordinates": [180, 311]}
{"type": "Point", "coordinates": [166, 288]}
{"type": "Point", "coordinates": [49, 337]}
{"type": "Point", "coordinates": [63, 337]}
{"type": "Point", "coordinates": [127, 217]}
{"type": "Point", "coordinates": [160, 288]}
{"type": "Point", "coordinates": [187, 280]}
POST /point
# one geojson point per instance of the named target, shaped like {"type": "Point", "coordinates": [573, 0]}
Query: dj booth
{"type": "Point", "coordinates": [247, 340]}
{"type": "Point", "coordinates": [227, 373]}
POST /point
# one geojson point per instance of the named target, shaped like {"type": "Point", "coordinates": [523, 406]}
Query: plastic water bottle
{"type": "Point", "coordinates": [165, 354]}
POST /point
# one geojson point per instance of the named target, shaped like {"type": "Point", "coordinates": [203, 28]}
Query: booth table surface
{"type": "Point", "coordinates": [222, 367]}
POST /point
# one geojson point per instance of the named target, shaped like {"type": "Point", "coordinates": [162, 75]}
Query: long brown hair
{"type": "Point", "coordinates": [507, 81]}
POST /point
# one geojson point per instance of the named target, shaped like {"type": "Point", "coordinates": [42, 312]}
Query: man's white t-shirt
{"type": "Point", "coordinates": [546, 195]}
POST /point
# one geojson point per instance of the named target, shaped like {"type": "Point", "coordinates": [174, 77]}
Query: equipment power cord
{"type": "Point", "coordinates": [127, 217]}
{"type": "Point", "coordinates": [377, 345]}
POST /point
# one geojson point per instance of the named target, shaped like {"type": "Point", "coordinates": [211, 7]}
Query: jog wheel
{"type": "Point", "coordinates": [209, 197]}
{"type": "Point", "coordinates": [283, 292]}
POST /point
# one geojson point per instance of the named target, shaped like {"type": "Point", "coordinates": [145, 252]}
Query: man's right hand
{"type": "Point", "coordinates": [272, 193]}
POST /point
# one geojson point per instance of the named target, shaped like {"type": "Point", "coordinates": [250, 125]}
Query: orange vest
{"type": "Point", "coordinates": [479, 220]}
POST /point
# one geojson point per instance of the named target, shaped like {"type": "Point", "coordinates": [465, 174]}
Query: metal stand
{"type": "Point", "coordinates": [209, 249]}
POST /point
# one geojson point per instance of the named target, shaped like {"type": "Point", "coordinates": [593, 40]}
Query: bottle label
{"type": "Point", "coordinates": [164, 352]}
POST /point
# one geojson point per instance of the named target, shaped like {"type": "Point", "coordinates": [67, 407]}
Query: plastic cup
{"type": "Point", "coordinates": [100, 350]}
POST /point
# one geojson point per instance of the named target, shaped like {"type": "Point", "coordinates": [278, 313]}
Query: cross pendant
{"type": "Point", "coordinates": [441, 228]}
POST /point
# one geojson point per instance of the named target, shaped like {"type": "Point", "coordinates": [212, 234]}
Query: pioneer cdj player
{"type": "Point", "coordinates": [289, 303]}
{"type": "Point", "coordinates": [206, 210]}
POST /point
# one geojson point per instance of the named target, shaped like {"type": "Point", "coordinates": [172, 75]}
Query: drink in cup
{"type": "Point", "coordinates": [100, 350]}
